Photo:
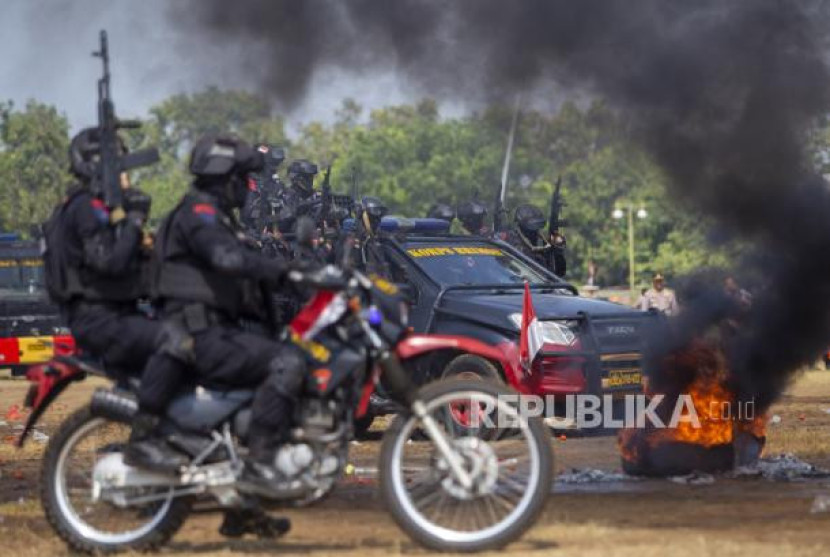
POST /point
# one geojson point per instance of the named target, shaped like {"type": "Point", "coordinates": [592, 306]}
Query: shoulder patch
{"type": "Point", "coordinates": [100, 210]}
{"type": "Point", "coordinates": [205, 211]}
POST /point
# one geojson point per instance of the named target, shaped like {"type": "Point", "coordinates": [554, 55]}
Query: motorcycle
{"type": "Point", "coordinates": [450, 475]}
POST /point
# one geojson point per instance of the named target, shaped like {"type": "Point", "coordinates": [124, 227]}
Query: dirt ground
{"type": "Point", "coordinates": [649, 518]}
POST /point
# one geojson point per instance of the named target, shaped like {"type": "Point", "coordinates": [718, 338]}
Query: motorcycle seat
{"type": "Point", "coordinates": [202, 409]}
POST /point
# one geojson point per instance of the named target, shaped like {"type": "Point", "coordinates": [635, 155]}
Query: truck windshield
{"type": "Point", "coordinates": [472, 264]}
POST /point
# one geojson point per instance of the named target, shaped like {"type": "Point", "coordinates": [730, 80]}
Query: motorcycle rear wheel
{"type": "Point", "coordinates": [512, 467]}
{"type": "Point", "coordinates": [66, 477]}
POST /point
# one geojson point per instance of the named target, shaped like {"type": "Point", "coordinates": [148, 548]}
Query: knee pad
{"type": "Point", "coordinates": [176, 342]}
{"type": "Point", "coordinates": [286, 373]}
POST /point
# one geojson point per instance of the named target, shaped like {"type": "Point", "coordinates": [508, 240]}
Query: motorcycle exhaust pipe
{"type": "Point", "coordinates": [113, 405]}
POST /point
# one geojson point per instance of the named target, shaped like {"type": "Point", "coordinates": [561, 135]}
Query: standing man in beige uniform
{"type": "Point", "coordinates": [659, 297]}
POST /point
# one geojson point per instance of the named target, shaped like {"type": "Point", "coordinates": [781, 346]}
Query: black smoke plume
{"type": "Point", "coordinates": [722, 93]}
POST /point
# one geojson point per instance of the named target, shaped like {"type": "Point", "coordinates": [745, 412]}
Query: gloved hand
{"type": "Point", "coordinates": [137, 205]}
{"type": "Point", "coordinates": [324, 278]}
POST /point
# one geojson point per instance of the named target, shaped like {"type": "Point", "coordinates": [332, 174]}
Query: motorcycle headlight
{"type": "Point", "coordinates": [560, 333]}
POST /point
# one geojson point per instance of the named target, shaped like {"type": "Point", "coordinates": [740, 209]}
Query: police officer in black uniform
{"type": "Point", "coordinates": [299, 198]}
{"type": "Point", "coordinates": [209, 278]}
{"type": "Point", "coordinates": [441, 211]}
{"type": "Point", "coordinates": [371, 212]}
{"type": "Point", "coordinates": [526, 235]}
{"type": "Point", "coordinates": [471, 214]}
{"type": "Point", "coordinates": [261, 207]}
{"type": "Point", "coordinates": [96, 271]}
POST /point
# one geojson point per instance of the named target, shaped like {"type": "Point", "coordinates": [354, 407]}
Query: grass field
{"type": "Point", "coordinates": [638, 519]}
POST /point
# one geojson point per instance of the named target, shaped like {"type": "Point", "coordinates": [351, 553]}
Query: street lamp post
{"type": "Point", "coordinates": [627, 210]}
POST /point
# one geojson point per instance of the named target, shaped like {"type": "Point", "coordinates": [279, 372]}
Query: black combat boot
{"type": "Point", "coordinates": [239, 522]}
{"type": "Point", "coordinates": [260, 471]}
{"type": "Point", "coordinates": [146, 449]}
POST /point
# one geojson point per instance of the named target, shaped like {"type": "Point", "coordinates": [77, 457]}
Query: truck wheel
{"type": "Point", "coordinates": [468, 366]}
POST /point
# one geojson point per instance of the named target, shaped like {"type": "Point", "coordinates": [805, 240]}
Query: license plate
{"type": "Point", "coordinates": [618, 379]}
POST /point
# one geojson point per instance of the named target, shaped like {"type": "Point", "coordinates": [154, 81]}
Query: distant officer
{"type": "Point", "coordinates": [259, 213]}
{"type": "Point", "coordinates": [361, 240]}
{"type": "Point", "coordinates": [442, 211]}
{"type": "Point", "coordinates": [471, 214]}
{"type": "Point", "coordinates": [659, 297]}
{"type": "Point", "coordinates": [299, 198]}
{"type": "Point", "coordinates": [526, 235]}
{"type": "Point", "coordinates": [372, 259]}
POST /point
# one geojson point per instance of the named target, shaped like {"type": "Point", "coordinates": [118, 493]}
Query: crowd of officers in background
{"type": "Point", "coordinates": [273, 207]}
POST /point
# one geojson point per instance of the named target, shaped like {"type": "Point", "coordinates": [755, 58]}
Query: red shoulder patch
{"type": "Point", "coordinates": [204, 209]}
{"type": "Point", "coordinates": [100, 210]}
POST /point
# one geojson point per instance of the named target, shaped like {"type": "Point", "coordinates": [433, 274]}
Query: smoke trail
{"type": "Point", "coordinates": [721, 93]}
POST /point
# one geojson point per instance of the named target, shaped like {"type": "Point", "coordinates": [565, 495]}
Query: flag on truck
{"type": "Point", "coordinates": [530, 334]}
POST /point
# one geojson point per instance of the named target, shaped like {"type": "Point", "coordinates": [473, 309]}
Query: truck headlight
{"type": "Point", "coordinates": [560, 333]}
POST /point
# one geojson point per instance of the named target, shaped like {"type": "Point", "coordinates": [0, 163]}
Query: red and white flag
{"type": "Point", "coordinates": [530, 334]}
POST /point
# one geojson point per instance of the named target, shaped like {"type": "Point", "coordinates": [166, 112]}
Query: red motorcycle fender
{"type": "Point", "coordinates": [366, 394]}
{"type": "Point", "coordinates": [415, 345]}
{"type": "Point", "coordinates": [48, 382]}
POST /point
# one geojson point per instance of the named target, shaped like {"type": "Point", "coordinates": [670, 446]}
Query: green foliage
{"type": "Point", "coordinates": [33, 164]}
{"type": "Point", "coordinates": [411, 157]}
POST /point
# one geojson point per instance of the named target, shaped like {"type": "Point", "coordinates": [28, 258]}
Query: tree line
{"type": "Point", "coordinates": [410, 157]}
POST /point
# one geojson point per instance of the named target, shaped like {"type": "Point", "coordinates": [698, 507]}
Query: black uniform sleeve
{"type": "Point", "coordinates": [217, 245]}
{"type": "Point", "coordinates": [560, 265]}
{"type": "Point", "coordinates": [104, 251]}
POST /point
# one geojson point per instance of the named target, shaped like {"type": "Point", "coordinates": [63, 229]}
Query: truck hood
{"type": "Point", "coordinates": [494, 309]}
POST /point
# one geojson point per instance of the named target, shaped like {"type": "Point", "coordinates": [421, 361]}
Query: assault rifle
{"type": "Point", "coordinates": [555, 221]}
{"type": "Point", "coordinates": [113, 159]}
{"type": "Point", "coordinates": [498, 212]}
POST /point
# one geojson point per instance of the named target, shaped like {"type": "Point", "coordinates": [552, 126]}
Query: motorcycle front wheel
{"type": "Point", "coordinates": [88, 523]}
{"type": "Point", "coordinates": [508, 460]}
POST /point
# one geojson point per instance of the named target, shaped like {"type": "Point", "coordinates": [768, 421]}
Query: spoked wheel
{"type": "Point", "coordinates": [508, 465]}
{"type": "Point", "coordinates": [92, 522]}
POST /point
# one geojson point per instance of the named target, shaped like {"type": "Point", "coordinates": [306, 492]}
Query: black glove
{"type": "Point", "coordinates": [137, 204]}
{"type": "Point", "coordinates": [323, 278]}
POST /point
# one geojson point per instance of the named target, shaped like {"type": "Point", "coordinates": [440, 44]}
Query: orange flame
{"type": "Point", "coordinates": [710, 396]}
{"type": "Point", "coordinates": [710, 399]}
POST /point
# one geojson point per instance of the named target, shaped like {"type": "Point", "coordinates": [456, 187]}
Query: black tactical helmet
{"type": "Point", "coordinates": [219, 155]}
{"type": "Point", "coordinates": [373, 211]}
{"type": "Point", "coordinates": [301, 174]}
{"type": "Point", "coordinates": [529, 218]}
{"type": "Point", "coordinates": [85, 152]}
{"type": "Point", "coordinates": [471, 214]}
{"type": "Point", "coordinates": [273, 155]}
{"type": "Point", "coordinates": [221, 164]}
{"type": "Point", "coordinates": [441, 211]}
